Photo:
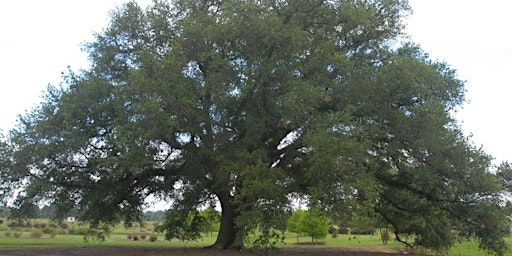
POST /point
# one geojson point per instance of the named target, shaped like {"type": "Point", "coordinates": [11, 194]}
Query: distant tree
{"type": "Point", "coordinates": [212, 221]}
{"type": "Point", "coordinates": [247, 104]}
{"type": "Point", "coordinates": [154, 215]}
{"type": "Point", "coordinates": [46, 212]}
{"type": "Point", "coordinates": [295, 222]}
{"type": "Point", "coordinates": [314, 224]}
{"type": "Point", "coordinates": [6, 165]}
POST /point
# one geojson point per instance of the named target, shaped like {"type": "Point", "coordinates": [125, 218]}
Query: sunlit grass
{"type": "Point", "coordinates": [119, 237]}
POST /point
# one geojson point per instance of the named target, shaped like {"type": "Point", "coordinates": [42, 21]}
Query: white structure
{"type": "Point", "coordinates": [71, 219]}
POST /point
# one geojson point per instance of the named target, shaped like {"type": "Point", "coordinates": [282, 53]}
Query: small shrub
{"type": "Point", "coordinates": [135, 238]}
{"type": "Point", "coordinates": [8, 233]}
{"type": "Point", "coordinates": [17, 234]}
{"type": "Point", "coordinates": [64, 225]}
{"type": "Point", "coordinates": [48, 230]}
{"type": "Point", "coordinates": [153, 238]}
{"type": "Point", "coordinates": [78, 231]}
{"type": "Point", "coordinates": [54, 233]}
{"type": "Point", "coordinates": [333, 229]}
{"type": "Point", "coordinates": [86, 231]}
{"type": "Point", "coordinates": [362, 231]}
{"type": "Point", "coordinates": [384, 235]}
{"type": "Point", "coordinates": [1, 221]}
{"type": "Point", "coordinates": [143, 236]}
{"type": "Point", "coordinates": [343, 230]}
{"type": "Point", "coordinates": [129, 236]}
{"type": "Point", "coordinates": [37, 233]}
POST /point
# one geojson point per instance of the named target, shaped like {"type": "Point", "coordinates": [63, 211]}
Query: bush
{"type": "Point", "coordinates": [384, 235]}
{"type": "Point", "coordinates": [17, 234]}
{"type": "Point", "coordinates": [153, 238]}
{"type": "Point", "coordinates": [362, 231]}
{"type": "Point", "coordinates": [39, 225]}
{"type": "Point", "coordinates": [143, 236]}
{"type": "Point", "coordinates": [135, 238]}
{"type": "Point", "coordinates": [54, 233]}
{"type": "Point", "coordinates": [1, 221]}
{"type": "Point", "coordinates": [78, 231]}
{"type": "Point", "coordinates": [48, 230]}
{"type": "Point", "coordinates": [343, 230]}
{"type": "Point", "coordinates": [64, 225]}
{"type": "Point", "coordinates": [8, 233]}
{"type": "Point", "coordinates": [129, 236]}
{"type": "Point", "coordinates": [333, 229]}
{"type": "Point", "coordinates": [37, 233]}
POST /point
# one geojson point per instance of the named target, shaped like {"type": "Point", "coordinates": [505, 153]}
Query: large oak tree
{"type": "Point", "coordinates": [253, 104]}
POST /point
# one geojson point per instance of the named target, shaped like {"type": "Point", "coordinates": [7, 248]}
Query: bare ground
{"type": "Point", "coordinates": [159, 251]}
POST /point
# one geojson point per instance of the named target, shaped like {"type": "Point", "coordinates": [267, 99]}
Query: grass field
{"type": "Point", "coordinates": [119, 237]}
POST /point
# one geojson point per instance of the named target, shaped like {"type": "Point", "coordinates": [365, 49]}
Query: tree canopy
{"type": "Point", "coordinates": [313, 222]}
{"type": "Point", "coordinates": [252, 105]}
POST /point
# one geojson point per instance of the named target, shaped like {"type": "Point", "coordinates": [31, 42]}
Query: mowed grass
{"type": "Point", "coordinates": [119, 237]}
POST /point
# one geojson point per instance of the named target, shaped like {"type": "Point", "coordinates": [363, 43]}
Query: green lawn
{"type": "Point", "coordinates": [119, 237]}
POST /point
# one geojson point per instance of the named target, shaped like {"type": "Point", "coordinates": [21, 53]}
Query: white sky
{"type": "Point", "coordinates": [475, 38]}
{"type": "Point", "coordinates": [41, 38]}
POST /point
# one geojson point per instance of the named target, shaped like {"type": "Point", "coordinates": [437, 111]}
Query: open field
{"type": "Point", "coordinates": [119, 244]}
{"type": "Point", "coordinates": [157, 251]}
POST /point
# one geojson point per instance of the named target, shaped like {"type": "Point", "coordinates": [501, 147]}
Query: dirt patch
{"type": "Point", "coordinates": [153, 251]}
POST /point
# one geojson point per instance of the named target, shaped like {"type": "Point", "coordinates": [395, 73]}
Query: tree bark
{"type": "Point", "coordinates": [230, 236]}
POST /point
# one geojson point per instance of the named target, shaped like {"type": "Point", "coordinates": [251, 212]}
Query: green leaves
{"type": "Point", "coordinates": [312, 222]}
{"type": "Point", "coordinates": [183, 225]}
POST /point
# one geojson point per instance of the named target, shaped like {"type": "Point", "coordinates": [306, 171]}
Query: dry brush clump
{"type": "Point", "coordinates": [36, 233]}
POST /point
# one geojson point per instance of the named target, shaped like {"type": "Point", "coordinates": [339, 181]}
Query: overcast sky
{"type": "Point", "coordinates": [41, 38]}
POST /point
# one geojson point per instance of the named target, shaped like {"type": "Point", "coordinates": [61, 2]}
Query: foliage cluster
{"type": "Point", "coordinates": [313, 223]}
{"type": "Point", "coordinates": [153, 238]}
{"type": "Point", "coordinates": [36, 233]}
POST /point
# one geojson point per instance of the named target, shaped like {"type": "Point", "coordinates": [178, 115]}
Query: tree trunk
{"type": "Point", "coordinates": [229, 235]}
